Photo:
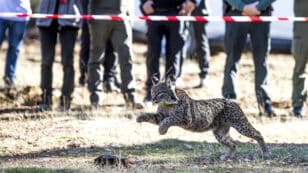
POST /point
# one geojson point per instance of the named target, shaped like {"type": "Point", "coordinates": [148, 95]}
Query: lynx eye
{"type": "Point", "coordinates": [160, 94]}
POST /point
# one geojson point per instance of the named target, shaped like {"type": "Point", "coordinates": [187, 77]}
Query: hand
{"type": "Point", "coordinates": [148, 7]}
{"type": "Point", "coordinates": [251, 9]}
{"type": "Point", "coordinates": [187, 8]}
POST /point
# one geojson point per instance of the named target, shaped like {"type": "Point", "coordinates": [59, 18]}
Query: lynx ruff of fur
{"type": "Point", "coordinates": [176, 108]}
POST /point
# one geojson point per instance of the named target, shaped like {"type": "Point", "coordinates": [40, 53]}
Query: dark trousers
{"type": "Point", "coordinates": [110, 66]}
{"type": "Point", "coordinates": [174, 44]}
{"type": "Point", "coordinates": [120, 34]}
{"type": "Point", "coordinates": [235, 40]}
{"type": "Point", "coordinates": [48, 38]}
{"type": "Point", "coordinates": [300, 52]}
{"type": "Point", "coordinates": [202, 48]}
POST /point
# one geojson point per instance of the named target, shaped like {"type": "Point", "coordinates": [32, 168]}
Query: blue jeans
{"type": "Point", "coordinates": [16, 32]}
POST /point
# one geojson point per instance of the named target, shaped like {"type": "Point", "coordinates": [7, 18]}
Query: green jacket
{"type": "Point", "coordinates": [301, 8]}
{"type": "Point", "coordinates": [111, 7]}
{"type": "Point", "coordinates": [239, 4]}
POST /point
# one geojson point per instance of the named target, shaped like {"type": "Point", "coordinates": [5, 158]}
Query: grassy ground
{"type": "Point", "coordinates": [34, 141]}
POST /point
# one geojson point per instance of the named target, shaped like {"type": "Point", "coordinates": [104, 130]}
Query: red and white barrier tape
{"type": "Point", "coordinates": [160, 18]}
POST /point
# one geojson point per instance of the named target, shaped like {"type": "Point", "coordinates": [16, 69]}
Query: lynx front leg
{"type": "Point", "coordinates": [153, 118]}
{"type": "Point", "coordinates": [168, 122]}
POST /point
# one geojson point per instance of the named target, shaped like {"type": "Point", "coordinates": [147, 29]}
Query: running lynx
{"type": "Point", "coordinates": [176, 108]}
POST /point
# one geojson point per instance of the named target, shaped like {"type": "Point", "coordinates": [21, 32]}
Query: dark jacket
{"type": "Point", "coordinates": [72, 7]}
{"type": "Point", "coordinates": [301, 8]}
{"type": "Point", "coordinates": [239, 4]}
{"type": "Point", "coordinates": [165, 5]}
{"type": "Point", "coordinates": [201, 9]}
{"type": "Point", "coordinates": [114, 7]}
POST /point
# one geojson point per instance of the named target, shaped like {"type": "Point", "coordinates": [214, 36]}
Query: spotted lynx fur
{"type": "Point", "coordinates": [176, 108]}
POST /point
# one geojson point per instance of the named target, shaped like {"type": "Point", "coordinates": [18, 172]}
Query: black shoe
{"type": "Point", "coordinates": [46, 104]}
{"type": "Point", "coordinates": [82, 80]}
{"type": "Point", "coordinates": [45, 107]}
{"type": "Point", "coordinates": [298, 111]}
{"type": "Point", "coordinates": [268, 109]}
{"type": "Point", "coordinates": [110, 86]}
{"type": "Point", "coordinates": [10, 88]}
{"type": "Point", "coordinates": [130, 100]}
{"type": "Point", "coordinates": [148, 96]}
{"type": "Point", "coordinates": [9, 83]}
{"type": "Point", "coordinates": [65, 103]}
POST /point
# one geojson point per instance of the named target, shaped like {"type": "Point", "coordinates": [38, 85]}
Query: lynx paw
{"type": "Point", "coordinates": [162, 130]}
{"type": "Point", "coordinates": [266, 155]}
{"type": "Point", "coordinates": [141, 118]}
{"type": "Point", "coordinates": [226, 157]}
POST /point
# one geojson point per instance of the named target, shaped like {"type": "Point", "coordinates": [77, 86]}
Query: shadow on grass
{"type": "Point", "coordinates": [24, 110]}
{"type": "Point", "coordinates": [39, 170]}
{"type": "Point", "coordinates": [181, 152]}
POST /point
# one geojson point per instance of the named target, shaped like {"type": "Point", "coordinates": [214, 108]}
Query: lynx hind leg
{"type": "Point", "coordinates": [222, 135]}
{"type": "Point", "coordinates": [246, 129]}
{"type": "Point", "coordinates": [148, 117]}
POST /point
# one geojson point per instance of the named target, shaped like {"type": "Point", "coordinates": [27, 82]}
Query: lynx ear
{"type": "Point", "coordinates": [155, 79]}
{"type": "Point", "coordinates": [170, 81]}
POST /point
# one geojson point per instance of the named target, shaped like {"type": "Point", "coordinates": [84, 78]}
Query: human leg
{"type": "Point", "coordinates": [202, 51]}
{"type": "Point", "coordinates": [99, 31]}
{"type": "Point", "coordinates": [111, 82]}
{"type": "Point", "coordinates": [155, 35]}
{"type": "Point", "coordinates": [48, 39]}
{"type": "Point", "coordinates": [235, 39]}
{"type": "Point", "coordinates": [15, 39]}
{"type": "Point", "coordinates": [68, 37]}
{"type": "Point", "coordinates": [260, 39]}
{"type": "Point", "coordinates": [84, 53]}
{"type": "Point", "coordinates": [174, 51]}
{"type": "Point", "coordinates": [122, 42]}
{"type": "Point", "coordinates": [3, 27]}
{"type": "Point", "coordinates": [299, 82]}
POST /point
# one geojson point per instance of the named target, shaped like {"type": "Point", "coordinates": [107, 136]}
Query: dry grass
{"type": "Point", "coordinates": [72, 140]}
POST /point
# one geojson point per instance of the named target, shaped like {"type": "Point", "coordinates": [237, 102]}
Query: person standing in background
{"type": "Point", "coordinates": [67, 30]}
{"type": "Point", "coordinates": [300, 53]}
{"type": "Point", "coordinates": [235, 40]}
{"type": "Point", "coordinates": [202, 48]}
{"type": "Point", "coordinates": [172, 31]}
{"type": "Point", "coordinates": [16, 31]}
{"type": "Point", "coordinates": [120, 34]}
{"type": "Point", "coordinates": [110, 80]}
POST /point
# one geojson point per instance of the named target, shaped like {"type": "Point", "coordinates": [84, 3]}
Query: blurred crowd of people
{"type": "Point", "coordinates": [105, 44]}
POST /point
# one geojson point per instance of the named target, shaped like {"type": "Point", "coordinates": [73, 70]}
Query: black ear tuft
{"type": "Point", "coordinates": [155, 79]}
{"type": "Point", "coordinates": [170, 71]}
{"type": "Point", "coordinates": [171, 79]}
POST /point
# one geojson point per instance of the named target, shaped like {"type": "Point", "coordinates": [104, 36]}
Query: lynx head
{"type": "Point", "coordinates": [163, 91]}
